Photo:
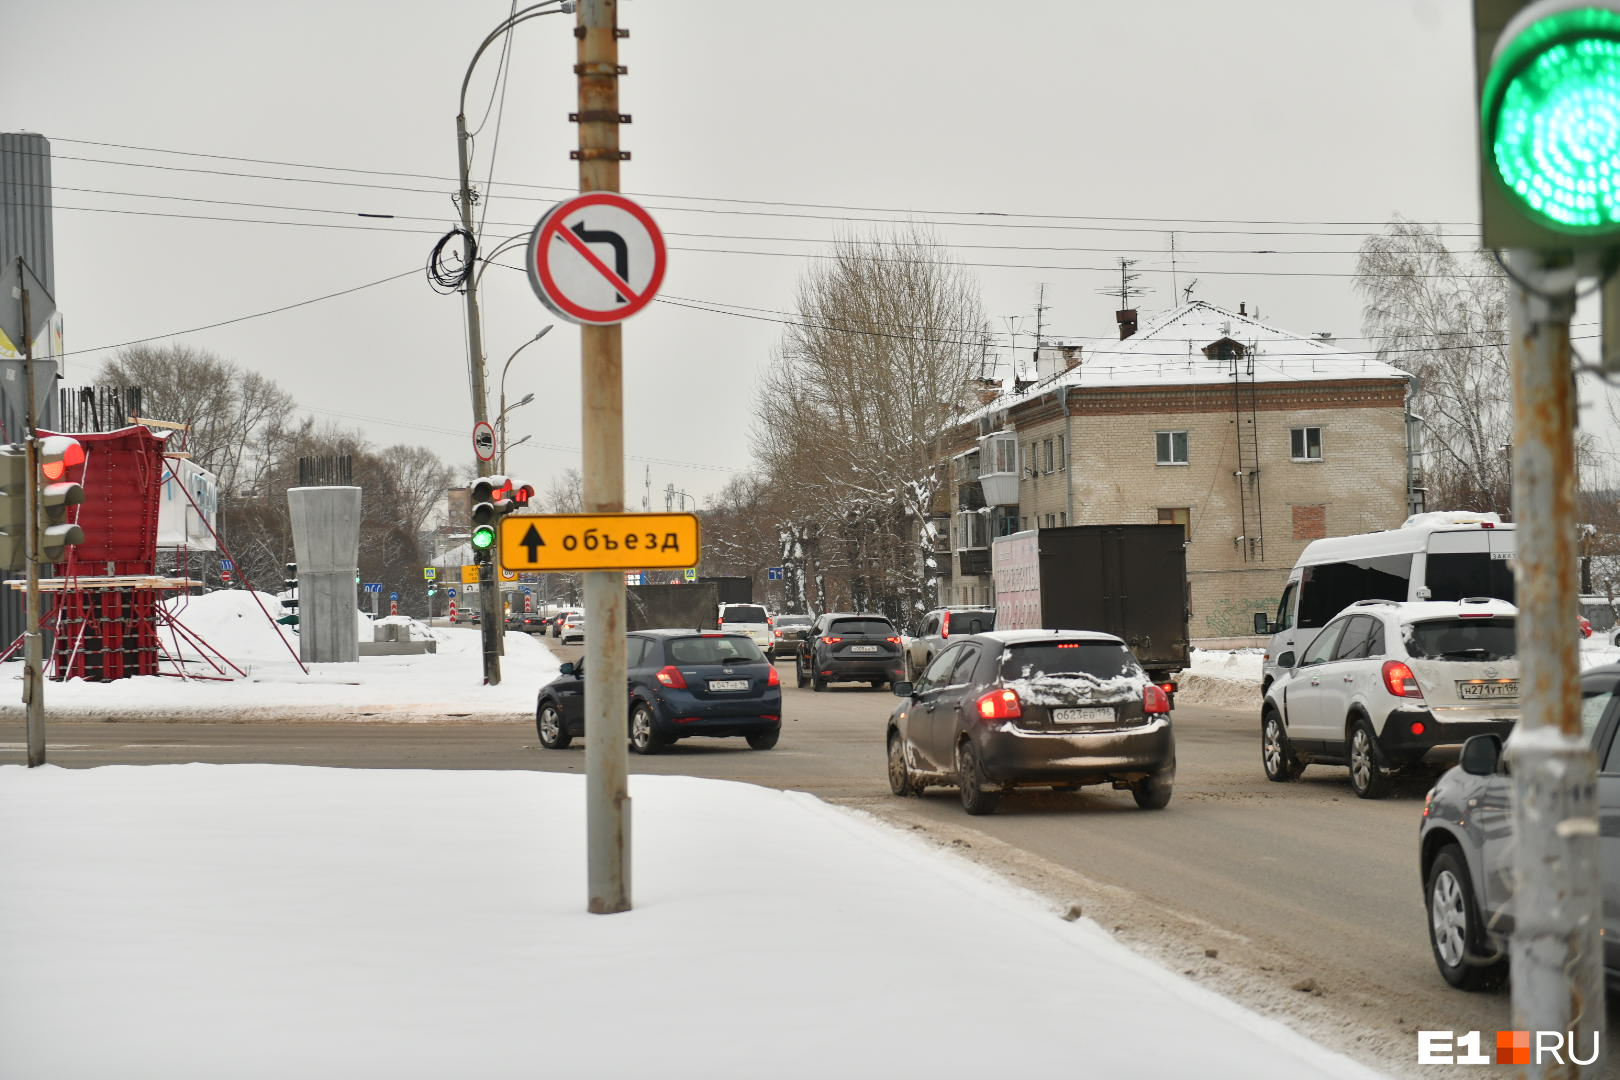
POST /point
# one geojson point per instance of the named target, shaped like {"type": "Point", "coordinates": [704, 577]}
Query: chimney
{"type": "Point", "coordinates": [1243, 307]}
{"type": "Point", "coordinates": [1071, 357]}
{"type": "Point", "coordinates": [1127, 322]}
{"type": "Point", "coordinates": [988, 392]}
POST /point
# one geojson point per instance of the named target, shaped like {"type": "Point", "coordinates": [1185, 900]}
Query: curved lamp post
{"type": "Point", "coordinates": [501, 418]}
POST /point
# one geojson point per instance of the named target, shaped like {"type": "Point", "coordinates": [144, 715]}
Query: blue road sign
{"type": "Point", "coordinates": [451, 593]}
{"type": "Point", "coordinates": [393, 598]}
{"type": "Point", "coordinates": [773, 573]}
{"type": "Point", "coordinates": [226, 564]}
{"type": "Point", "coordinates": [527, 591]}
{"type": "Point", "coordinates": [373, 586]}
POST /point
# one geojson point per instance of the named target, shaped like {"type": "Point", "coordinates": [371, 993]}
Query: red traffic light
{"type": "Point", "coordinates": [58, 454]}
{"type": "Point", "coordinates": [521, 494]}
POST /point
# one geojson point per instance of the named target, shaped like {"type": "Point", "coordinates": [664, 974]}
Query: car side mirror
{"type": "Point", "coordinates": [1262, 625]}
{"type": "Point", "coordinates": [566, 669]}
{"type": "Point", "coordinates": [1481, 755]}
{"type": "Point", "coordinates": [902, 689]}
{"type": "Point", "coordinates": [1286, 660]}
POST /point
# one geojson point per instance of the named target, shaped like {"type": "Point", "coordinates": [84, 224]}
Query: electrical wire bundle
{"type": "Point", "coordinates": [446, 273]}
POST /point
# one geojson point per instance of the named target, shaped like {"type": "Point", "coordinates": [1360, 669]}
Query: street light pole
{"type": "Point", "coordinates": [543, 332]}
{"type": "Point", "coordinates": [488, 590]}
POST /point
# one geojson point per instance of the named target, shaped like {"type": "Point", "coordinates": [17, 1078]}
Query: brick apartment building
{"type": "Point", "coordinates": [1256, 440]}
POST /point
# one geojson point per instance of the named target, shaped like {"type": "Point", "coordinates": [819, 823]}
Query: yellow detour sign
{"type": "Point", "coordinates": [598, 541]}
{"type": "Point", "coordinates": [469, 573]}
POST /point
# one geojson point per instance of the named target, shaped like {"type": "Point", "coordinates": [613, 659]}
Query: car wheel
{"type": "Point", "coordinates": [817, 683]}
{"type": "Point", "coordinates": [644, 739]}
{"type": "Point", "coordinates": [900, 781]}
{"type": "Point", "coordinates": [798, 673]}
{"type": "Point", "coordinates": [976, 799]}
{"type": "Point", "coordinates": [877, 684]}
{"type": "Point", "coordinates": [553, 736]}
{"type": "Point", "coordinates": [1367, 774]}
{"type": "Point", "coordinates": [1454, 924]}
{"type": "Point", "coordinates": [1153, 793]}
{"type": "Point", "coordinates": [764, 740]}
{"type": "Point", "coordinates": [1276, 754]}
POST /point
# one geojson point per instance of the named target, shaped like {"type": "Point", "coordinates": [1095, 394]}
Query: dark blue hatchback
{"type": "Point", "coordinates": [683, 683]}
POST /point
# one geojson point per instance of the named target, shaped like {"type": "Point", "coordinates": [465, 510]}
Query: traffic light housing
{"type": "Point", "coordinates": [13, 507]}
{"type": "Point", "coordinates": [58, 454]}
{"type": "Point", "coordinates": [290, 584]}
{"type": "Point", "coordinates": [492, 500]}
{"type": "Point", "coordinates": [1549, 123]}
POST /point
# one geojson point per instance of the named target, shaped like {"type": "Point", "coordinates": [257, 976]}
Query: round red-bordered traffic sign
{"type": "Point", "coordinates": [484, 441]}
{"type": "Point", "coordinates": [597, 258]}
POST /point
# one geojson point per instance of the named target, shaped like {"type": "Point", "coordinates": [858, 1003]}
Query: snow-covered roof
{"type": "Point", "coordinates": [1168, 350]}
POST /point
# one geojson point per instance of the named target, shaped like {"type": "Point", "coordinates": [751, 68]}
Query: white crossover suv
{"type": "Point", "coordinates": [1386, 685]}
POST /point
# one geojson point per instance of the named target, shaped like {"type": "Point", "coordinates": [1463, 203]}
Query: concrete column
{"type": "Point", "coordinates": [326, 541]}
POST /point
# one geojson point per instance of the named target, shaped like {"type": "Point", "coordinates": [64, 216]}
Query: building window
{"type": "Point", "coordinates": [1063, 460]}
{"type": "Point", "coordinates": [1172, 446]}
{"type": "Point", "coordinates": [1310, 522]}
{"type": "Point", "coordinates": [1049, 459]}
{"type": "Point", "coordinates": [1063, 518]}
{"type": "Point", "coordinates": [1305, 444]}
{"type": "Point", "coordinates": [1051, 521]}
{"type": "Point", "coordinates": [1177, 515]}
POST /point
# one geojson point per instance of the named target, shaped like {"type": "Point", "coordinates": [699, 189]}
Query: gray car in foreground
{"type": "Point", "coordinates": [1465, 845]}
{"type": "Point", "coordinates": [1032, 708]}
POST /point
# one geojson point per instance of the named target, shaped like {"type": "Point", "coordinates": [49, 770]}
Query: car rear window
{"type": "Point", "coordinates": [793, 620]}
{"type": "Point", "coordinates": [743, 613]}
{"type": "Point", "coordinates": [1461, 639]}
{"type": "Point", "coordinates": [862, 627]}
{"type": "Point", "coordinates": [1098, 659]}
{"type": "Point", "coordinates": [714, 649]}
{"type": "Point", "coordinates": [972, 622]}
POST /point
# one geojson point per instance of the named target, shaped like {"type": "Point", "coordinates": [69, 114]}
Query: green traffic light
{"type": "Point", "coordinates": [483, 537]}
{"type": "Point", "coordinates": [1552, 119]}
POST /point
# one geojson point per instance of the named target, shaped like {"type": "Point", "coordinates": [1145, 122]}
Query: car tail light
{"type": "Point", "coordinates": [832, 640]}
{"type": "Point", "coordinates": [1428, 801]}
{"type": "Point", "coordinates": [769, 716]}
{"type": "Point", "coordinates": [671, 676]}
{"type": "Point", "coordinates": [779, 633]}
{"type": "Point", "coordinates": [773, 679]}
{"type": "Point", "coordinates": [1000, 705]}
{"type": "Point", "coordinates": [892, 640]}
{"type": "Point", "coordinates": [1154, 699]}
{"type": "Point", "coordinates": [1400, 681]}
{"type": "Point", "coordinates": [945, 625]}
{"type": "Point", "coordinates": [1417, 727]}
{"type": "Point", "coordinates": [769, 622]}
{"type": "Point", "coordinates": [686, 719]}
{"type": "Point", "coordinates": [1168, 687]}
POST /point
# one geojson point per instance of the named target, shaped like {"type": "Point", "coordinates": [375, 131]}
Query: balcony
{"type": "Point", "coordinates": [998, 477]}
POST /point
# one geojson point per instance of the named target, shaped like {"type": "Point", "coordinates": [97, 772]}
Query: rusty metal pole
{"type": "Point", "coordinates": [33, 653]}
{"type": "Point", "coordinates": [607, 762]}
{"type": "Point", "coordinates": [1555, 952]}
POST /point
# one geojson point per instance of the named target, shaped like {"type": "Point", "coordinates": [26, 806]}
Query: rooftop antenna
{"type": "Point", "coordinates": [1040, 324]}
{"type": "Point", "coordinates": [646, 499]}
{"type": "Point", "coordinates": [1186, 294]}
{"type": "Point", "coordinates": [1012, 322]}
{"type": "Point", "coordinates": [1127, 284]}
{"type": "Point", "coordinates": [1173, 288]}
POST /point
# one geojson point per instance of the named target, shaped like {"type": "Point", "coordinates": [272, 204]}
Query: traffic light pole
{"type": "Point", "coordinates": [33, 652]}
{"type": "Point", "coordinates": [1555, 953]}
{"type": "Point", "coordinates": [607, 762]}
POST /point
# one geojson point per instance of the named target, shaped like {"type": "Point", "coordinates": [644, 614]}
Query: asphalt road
{"type": "Point", "coordinates": [1283, 882]}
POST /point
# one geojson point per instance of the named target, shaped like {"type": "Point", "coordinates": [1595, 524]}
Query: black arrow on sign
{"type": "Point", "coordinates": [621, 250]}
{"type": "Point", "coordinates": [531, 540]}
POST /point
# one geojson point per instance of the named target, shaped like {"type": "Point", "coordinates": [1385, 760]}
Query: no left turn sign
{"type": "Point", "coordinates": [597, 258]}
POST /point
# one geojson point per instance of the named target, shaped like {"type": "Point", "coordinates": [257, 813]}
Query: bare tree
{"type": "Point", "coordinates": [861, 388]}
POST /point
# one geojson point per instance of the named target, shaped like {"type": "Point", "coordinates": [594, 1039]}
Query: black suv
{"type": "Point", "coordinates": [682, 683]}
{"type": "Point", "coordinates": [850, 647]}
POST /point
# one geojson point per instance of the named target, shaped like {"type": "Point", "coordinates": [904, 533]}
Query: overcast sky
{"type": "Point", "coordinates": [761, 131]}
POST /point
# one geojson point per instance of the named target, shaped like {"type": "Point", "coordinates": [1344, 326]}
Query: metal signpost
{"type": "Point", "coordinates": [1549, 97]}
{"type": "Point", "coordinates": [596, 260]}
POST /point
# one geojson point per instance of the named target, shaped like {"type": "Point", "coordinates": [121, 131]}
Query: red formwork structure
{"type": "Point", "coordinates": [105, 622]}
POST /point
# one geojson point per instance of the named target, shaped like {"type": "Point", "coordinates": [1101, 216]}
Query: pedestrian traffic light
{"type": "Point", "coordinates": [58, 454]}
{"type": "Point", "coordinates": [290, 601]}
{"type": "Point", "coordinates": [13, 507]}
{"type": "Point", "coordinates": [521, 495]}
{"type": "Point", "coordinates": [1549, 123]}
{"type": "Point", "coordinates": [491, 499]}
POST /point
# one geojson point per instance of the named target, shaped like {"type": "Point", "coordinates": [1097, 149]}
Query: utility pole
{"type": "Point", "coordinates": [607, 799]}
{"type": "Point", "coordinates": [33, 653]}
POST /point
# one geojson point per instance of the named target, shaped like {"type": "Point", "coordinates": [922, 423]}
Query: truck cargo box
{"type": "Point", "coordinates": [656, 607]}
{"type": "Point", "coordinates": [1125, 580]}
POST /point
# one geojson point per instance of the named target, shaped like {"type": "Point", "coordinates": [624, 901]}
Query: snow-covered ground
{"type": "Point", "coordinates": [430, 686]}
{"type": "Point", "coordinates": [243, 921]}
